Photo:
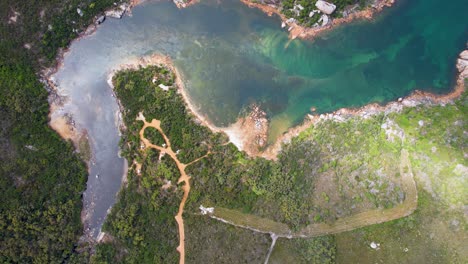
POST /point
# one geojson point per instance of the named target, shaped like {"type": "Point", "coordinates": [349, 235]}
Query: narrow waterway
{"type": "Point", "coordinates": [232, 55]}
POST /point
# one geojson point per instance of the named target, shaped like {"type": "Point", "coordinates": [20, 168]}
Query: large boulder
{"type": "Point", "coordinates": [117, 12]}
{"type": "Point", "coordinates": [462, 64]}
{"type": "Point", "coordinates": [325, 7]}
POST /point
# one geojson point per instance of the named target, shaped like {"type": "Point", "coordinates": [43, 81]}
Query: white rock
{"type": "Point", "coordinates": [324, 19]}
{"type": "Point", "coordinates": [464, 55]}
{"type": "Point", "coordinates": [283, 25]}
{"type": "Point", "coordinates": [118, 12]}
{"type": "Point", "coordinates": [313, 12]}
{"type": "Point", "coordinates": [164, 87]}
{"type": "Point", "coordinates": [325, 7]}
{"type": "Point", "coordinates": [299, 7]}
{"type": "Point", "coordinates": [14, 17]}
{"type": "Point", "coordinates": [80, 12]}
{"type": "Point", "coordinates": [100, 20]}
{"type": "Point", "coordinates": [421, 123]}
{"type": "Point", "coordinates": [374, 245]}
{"type": "Point", "coordinates": [206, 210]}
{"type": "Point", "coordinates": [291, 20]}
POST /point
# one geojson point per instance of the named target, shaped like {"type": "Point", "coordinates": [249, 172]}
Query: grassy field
{"type": "Point", "coordinates": [437, 231]}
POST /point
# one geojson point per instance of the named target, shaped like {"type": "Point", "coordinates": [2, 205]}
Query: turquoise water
{"type": "Point", "coordinates": [412, 45]}
{"type": "Point", "coordinates": [232, 56]}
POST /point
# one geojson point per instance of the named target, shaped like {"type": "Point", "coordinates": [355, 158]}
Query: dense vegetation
{"type": "Point", "coordinates": [285, 191]}
{"type": "Point", "coordinates": [319, 250]}
{"type": "Point", "coordinates": [41, 178]}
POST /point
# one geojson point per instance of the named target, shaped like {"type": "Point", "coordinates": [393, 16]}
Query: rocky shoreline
{"type": "Point", "coordinates": [69, 129]}
{"type": "Point", "coordinates": [164, 61]}
{"type": "Point", "coordinates": [414, 99]}
{"type": "Point", "coordinates": [299, 31]}
{"type": "Point", "coordinates": [249, 133]}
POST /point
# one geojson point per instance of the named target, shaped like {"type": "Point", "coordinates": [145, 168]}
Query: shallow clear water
{"type": "Point", "coordinates": [231, 55]}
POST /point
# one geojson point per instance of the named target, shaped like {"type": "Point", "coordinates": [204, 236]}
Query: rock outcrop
{"type": "Point", "coordinates": [117, 12]}
{"type": "Point", "coordinates": [100, 20]}
{"type": "Point", "coordinates": [462, 64]}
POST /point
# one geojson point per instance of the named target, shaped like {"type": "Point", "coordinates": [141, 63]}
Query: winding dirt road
{"type": "Point", "coordinates": [184, 178]}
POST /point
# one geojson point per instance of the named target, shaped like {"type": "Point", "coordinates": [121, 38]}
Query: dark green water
{"type": "Point", "coordinates": [231, 56]}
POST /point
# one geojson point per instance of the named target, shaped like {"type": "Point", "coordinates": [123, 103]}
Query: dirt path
{"type": "Point", "coordinates": [263, 225]}
{"type": "Point", "coordinates": [274, 237]}
{"type": "Point", "coordinates": [184, 178]}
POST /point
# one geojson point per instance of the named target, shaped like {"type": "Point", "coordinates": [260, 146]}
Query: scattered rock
{"type": "Point", "coordinates": [313, 12]}
{"type": "Point", "coordinates": [462, 64]}
{"type": "Point", "coordinates": [206, 210]}
{"type": "Point", "coordinates": [299, 7]}
{"type": "Point", "coordinates": [117, 12]}
{"type": "Point", "coordinates": [164, 87]}
{"type": "Point", "coordinates": [324, 19]}
{"type": "Point", "coordinates": [374, 245]}
{"type": "Point", "coordinates": [13, 18]}
{"type": "Point", "coordinates": [80, 12]}
{"type": "Point", "coordinates": [460, 170]}
{"type": "Point", "coordinates": [291, 21]}
{"type": "Point", "coordinates": [31, 147]}
{"type": "Point", "coordinates": [179, 3]}
{"type": "Point", "coordinates": [421, 123]}
{"type": "Point", "coordinates": [100, 20]}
